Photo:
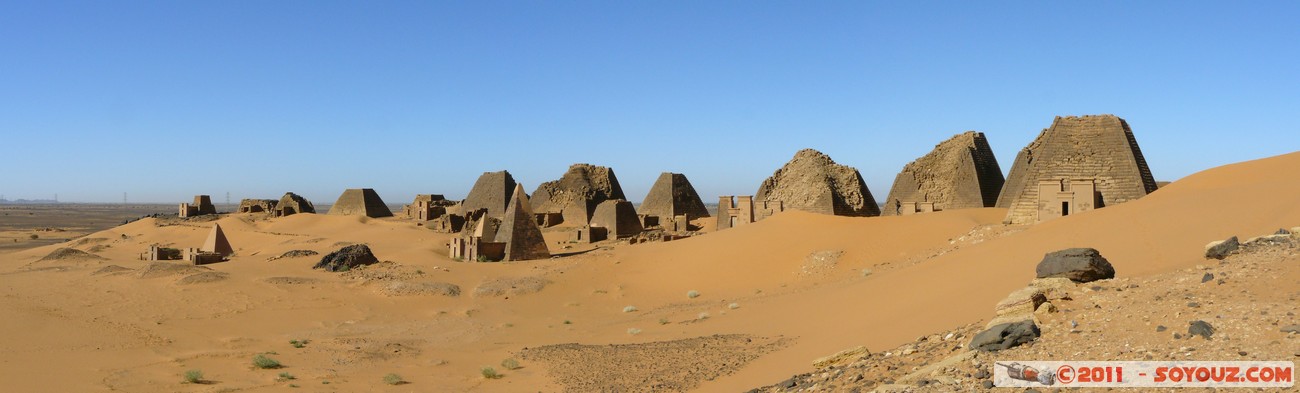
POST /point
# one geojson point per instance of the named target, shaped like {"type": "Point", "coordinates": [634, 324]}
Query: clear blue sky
{"type": "Point", "coordinates": [168, 99]}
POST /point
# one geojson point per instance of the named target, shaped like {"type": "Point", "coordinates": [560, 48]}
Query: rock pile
{"type": "Point", "coordinates": [347, 258]}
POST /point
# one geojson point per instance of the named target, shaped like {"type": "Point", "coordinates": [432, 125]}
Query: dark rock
{"type": "Point", "coordinates": [1282, 231]}
{"type": "Point", "coordinates": [1221, 250]}
{"type": "Point", "coordinates": [1291, 329]}
{"type": "Point", "coordinates": [789, 383]}
{"type": "Point", "coordinates": [1207, 278]}
{"type": "Point", "coordinates": [982, 374]}
{"type": "Point", "coordinates": [1200, 328]}
{"type": "Point", "coordinates": [1177, 336]}
{"type": "Point", "coordinates": [347, 258]}
{"type": "Point", "coordinates": [1160, 328]}
{"type": "Point", "coordinates": [1242, 353]}
{"type": "Point", "coordinates": [1193, 304]}
{"type": "Point", "coordinates": [1005, 336]}
{"type": "Point", "coordinates": [1076, 264]}
{"type": "Point", "coordinates": [988, 384]}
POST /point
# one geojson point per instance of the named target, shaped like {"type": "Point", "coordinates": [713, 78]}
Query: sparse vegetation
{"type": "Point", "coordinates": [286, 376]}
{"type": "Point", "coordinates": [567, 322]}
{"type": "Point", "coordinates": [393, 379]}
{"type": "Point", "coordinates": [633, 331]}
{"type": "Point", "coordinates": [702, 316]}
{"type": "Point", "coordinates": [693, 294]}
{"type": "Point", "coordinates": [34, 237]}
{"type": "Point", "coordinates": [511, 364]}
{"type": "Point", "coordinates": [298, 343]}
{"type": "Point", "coordinates": [733, 306]}
{"type": "Point", "coordinates": [264, 362]}
{"type": "Point", "coordinates": [194, 376]}
{"type": "Point", "coordinates": [629, 309]}
{"type": "Point", "coordinates": [489, 373]}
{"type": "Point", "coordinates": [663, 321]}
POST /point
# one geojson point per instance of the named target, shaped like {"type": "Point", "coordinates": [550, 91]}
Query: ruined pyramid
{"type": "Point", "coordinates": [673, 195]}
{"type": "Point", "coordinates": [360, 202]}
{"type": "Point", "coordinates": [217, 242]}
{"type": "Point", "coordinates": [618, 217]}
{"type": "Point", "coordinates": [492, 192]}
{"type": "Point", "coordinates": [812, 182]}
{"type": "Point", "coordinates": [519, 230]}
{"type": "Point", "coordinates": [291, 204]}
{"type": "Point", "coordinates": [960, 173]}
{"type": "Point", "coordinates": [576, 194]}
{"type": "Point", "coordinates": [1099, 148]}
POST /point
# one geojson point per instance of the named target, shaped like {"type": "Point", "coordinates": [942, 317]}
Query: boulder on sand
{"type": "Point", "coordinates": [1076, 264]}
{"type": "Point", "coordinates": [347, 258]}
{"type": "Point", "coordinates": [1005, 336]}
{"type": "Point", "coordinates": [1220, 249]}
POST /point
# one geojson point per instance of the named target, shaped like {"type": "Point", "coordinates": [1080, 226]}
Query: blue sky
{"type": "Point", "coordinates": [168, 99]}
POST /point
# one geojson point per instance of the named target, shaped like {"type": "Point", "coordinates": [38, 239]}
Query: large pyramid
{"type": "Point", "coordinates": [576, 194]}
{"type": "Point", "coordinates": [519, 231]}
{"type": "Point", "coordinates": [360, 202]}
{"type": "Point", "coordinates": [812, 182]}
{"type": "Point", "coordinates": [1100, 148]}
{"type": "Point", "coordinates": [491, 192]}
{"type": "Point", "coordinates": [673, 195]}
{"type": "Point", "coordinates": [217, 242]}
{"type": "Point", "coordinates": [960, 173]}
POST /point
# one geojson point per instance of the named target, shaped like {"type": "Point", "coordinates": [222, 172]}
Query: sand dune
{"type": "Point", "coordinates": [797, 276]}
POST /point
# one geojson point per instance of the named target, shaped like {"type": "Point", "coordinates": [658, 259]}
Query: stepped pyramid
{"type": "Point", "coordinates": [812, 182]}
{"type": "Point", "coordinates": [1099, 148]}
{"type": "Point", "coordinates": [492, 192]}
{"type": "Point", "coordinates": [960, 173]}
{"type": "Point", "coordinates": [217, 242]}
{"type": "Point", "coordinates": [673, 195]}
{"type": "Point", "coordinates": [360, 202]}
{"type": "Point", "coordinates": [519, 230]}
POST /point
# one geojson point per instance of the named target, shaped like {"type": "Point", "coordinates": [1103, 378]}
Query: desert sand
{"type": "Point", "coordinates": [773, 296]}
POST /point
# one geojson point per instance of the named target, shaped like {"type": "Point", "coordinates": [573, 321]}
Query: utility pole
{"type": "Point", "coordinates": [124, 199]}
{"type": "Point", "coordinates": [227, 199]}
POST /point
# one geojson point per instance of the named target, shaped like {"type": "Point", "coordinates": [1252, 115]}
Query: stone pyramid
{"type": "Point", "coordinates": [360, 202]}
{"type": "Point", "coordinates": [960, 173]}
{"type": "Point", "coordinates": [618, 217]}
{"type": "Point", "coordinates": [1100, 147]}
{"type": "Point", "coordinates": [673, 195]}
{"type": "Point", "coordinates": [217, 242]}
{"type": "Point", "coordinates": [519, 230]}
{"type": "Point", "coordinates": [812, 182]}
{"type": "Point", "coordinates": [291, 204]}
{"type": "Point", "coordinates": [576, 194]}
{"type": "Point", "coordinates": [491, 192]}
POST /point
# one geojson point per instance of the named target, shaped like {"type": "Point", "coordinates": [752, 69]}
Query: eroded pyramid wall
{"type": "Point", "coordinates": [960, 173]}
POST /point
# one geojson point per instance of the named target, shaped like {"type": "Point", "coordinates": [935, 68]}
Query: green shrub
{"type": "Point", "coordinates": [489, 373]}
{"type": "Point", "coordinates": [286, 376]}
{"type": "Point", "coordinates": [393, 379]}
{"type": "Point", "coordinates": [194, 376]}
{"type": "Point", "coordinates": [629, 309]}
{"type": "Point", "coordinates": [510, 364]}
{"type": "Point", "coordinates": [693, 294]}
{"type": "Point", "coordinates": [263, 362]}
